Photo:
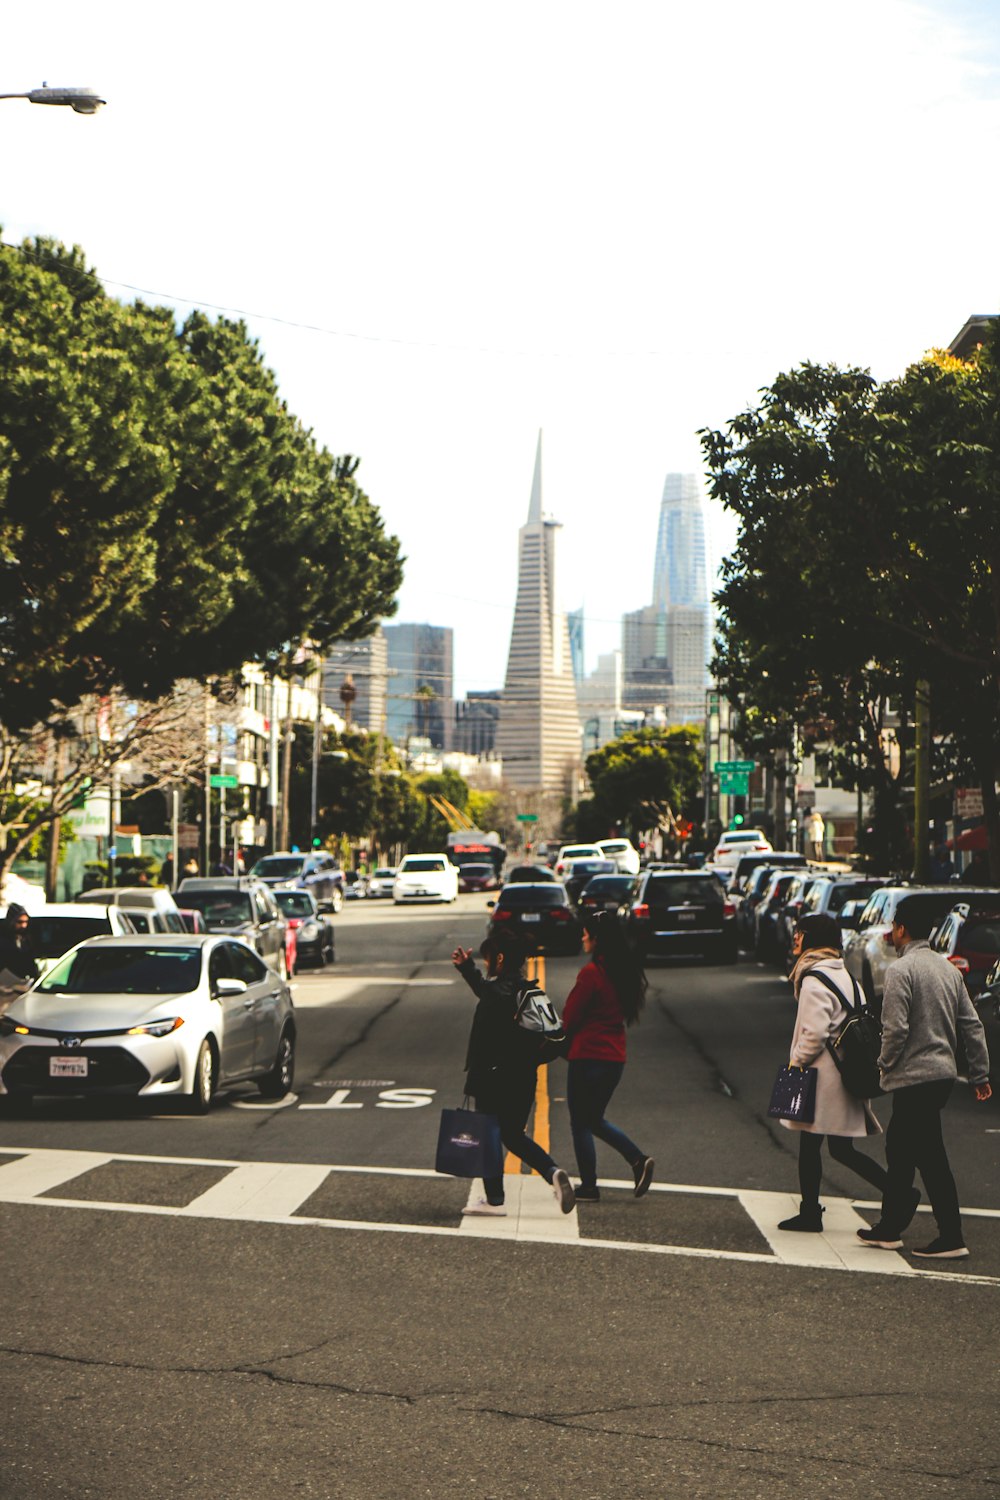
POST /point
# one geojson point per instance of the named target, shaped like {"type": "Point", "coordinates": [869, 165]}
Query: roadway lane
{"type": "Point", "coordinates": [218, 1326]}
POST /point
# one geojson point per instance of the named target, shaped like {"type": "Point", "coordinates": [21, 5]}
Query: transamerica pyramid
{"type": "Point", "coordinates": [539, 730]}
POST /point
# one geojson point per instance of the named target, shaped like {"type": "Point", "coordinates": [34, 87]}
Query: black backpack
{"type": "Point", "coordinates": [857, 1044]}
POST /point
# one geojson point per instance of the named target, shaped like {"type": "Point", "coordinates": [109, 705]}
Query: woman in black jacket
{"type": "Point", "coordinates": [502, 1063]}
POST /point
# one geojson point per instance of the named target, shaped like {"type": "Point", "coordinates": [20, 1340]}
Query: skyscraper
{"type": "Point", "coordinates": [420, 683]}
{"type": "Point", "coordinates": [366, 662]}
{"type": "Point", "coordinates": [666, 646]}
{"type": "Point", "coordinates": [538, 734]}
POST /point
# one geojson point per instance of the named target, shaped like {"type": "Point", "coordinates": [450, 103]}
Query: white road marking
{"type": "Point", "coordinates": [270, 1192]}
{"type": "Point", "coordinates": [532, 1214]}
{"type": "Point", "coordinates": [264, 1103]}
{"type": "Point", "coordinates": [837, 1248]}
{"type": "Point", "coordinates": [347, 986]}
{"type": "Point", "coordinates": [258, 1190]}
{"type": "Point", "coordinates": [40, 1171]}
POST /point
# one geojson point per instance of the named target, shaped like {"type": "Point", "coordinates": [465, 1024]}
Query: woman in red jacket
{"type": "Point", "coordinates": [608, 995]}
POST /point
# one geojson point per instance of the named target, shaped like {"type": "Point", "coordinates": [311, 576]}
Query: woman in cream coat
{"type": "Point", "coordinates": [839, 1116]}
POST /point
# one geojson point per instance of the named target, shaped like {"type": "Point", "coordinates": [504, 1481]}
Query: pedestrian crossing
{"type": "Point", "coordinates": [725, 1224]}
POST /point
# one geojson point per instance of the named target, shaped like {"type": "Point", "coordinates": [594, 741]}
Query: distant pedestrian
{"type": "Point", "coordinates": [190, 868]}
{"type": "Point", "coordinates": [977, 871]}
{"type": "Point", "coordinates": [142, 878]}
{"type": "Point", "coordinates": [502, 1063]}
{"type": "Point", "coordinates": [167, 872]}
{"type": "Point", "coordinates": [942, 866]}
{"type": "Point", "coordinates": [609, 993]}
{"type": "Point", "coordinates": [815, 834]}
{"type": "Point", "coordinates": [17, 952]}
{"type": "Point", "coordinates": [926, 1013]}
{"type": "Point", "coordinates": [839, 1116]}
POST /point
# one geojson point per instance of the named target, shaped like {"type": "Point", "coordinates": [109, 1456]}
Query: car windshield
{"type": "Point", "coordinates": [126, 970]}
{"type": "Point", "coordinates": [420, 866]}
{"type": "Point", "coordinates": [278, 865]}
{"type": "Point", "coordinates": [608, 885]}
{"type": "Point", "coordinates": [383, 874]}
{"type": "Point", "coordinates": [844, 893]}
{"type": "Point", "coordinates": [478, 870]}
{"type": "Point", "coordinates": [221, 908]}
{"type": "Point", "coordinates": [582, 851]}
{"type": "Point", "coordinates": [51, 936]}
{"type": "Point", "coordinates": [295, 903]}
{"type": "Point", "coordinates": [671, 890]}
{"type": "Point", "coordinates": [532, 895]}
{"type": "Point", "coordinates": [615, 848]}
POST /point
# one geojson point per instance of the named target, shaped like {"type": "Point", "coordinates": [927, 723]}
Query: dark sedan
{"type": "Point", "coordinates": [542, 914]}
{"type": "Point", "coordinates": [681, 913]}
{"type": "Point", "coordinates": [314, 940]}
{"type": "Point", "coordinates": [581, 873]}
{"type": "Point", "coordinates": [532, 874]}
{"type": "Point", "coordinates": [476, 878]}
{"type": "Point", "coordinates": [605, 893]}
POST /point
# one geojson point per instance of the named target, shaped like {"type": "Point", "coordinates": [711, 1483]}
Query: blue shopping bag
{"type": "Point", "coordinates": [469, 1144]}
{"type": "Point", "coordinates": [794, 1096]}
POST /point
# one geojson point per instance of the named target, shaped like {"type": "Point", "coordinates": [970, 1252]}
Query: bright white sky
{"type": "Point", "coordinates": [611, 221]}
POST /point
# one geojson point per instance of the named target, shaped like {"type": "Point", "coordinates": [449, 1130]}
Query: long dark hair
{"type": "Point", "coordinates": [619, 961]}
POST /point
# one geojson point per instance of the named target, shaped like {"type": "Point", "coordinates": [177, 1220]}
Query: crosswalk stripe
{"type": "Point", "coordinates": [271, 1192]}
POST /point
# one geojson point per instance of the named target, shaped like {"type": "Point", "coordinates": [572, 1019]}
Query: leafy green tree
{"type": "Point", "coordinates": [867, 561]}
{"type": "Point", "coordinates": [643, 780]}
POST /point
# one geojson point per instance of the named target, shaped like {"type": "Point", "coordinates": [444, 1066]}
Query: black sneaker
{"type": "Point", "coordinates": [940, 1249]}
{"type": "Point", "coordinates": [879, 1238]}
{"type": "Point", "coordinates": [587, 1195]}
{"type": "Point", "coordinates": [643, 1174]}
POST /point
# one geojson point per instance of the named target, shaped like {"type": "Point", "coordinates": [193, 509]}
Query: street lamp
{"type": "Point", "coordinates": [84, 101]}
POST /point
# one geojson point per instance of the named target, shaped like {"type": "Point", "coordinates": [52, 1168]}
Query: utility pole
{"type": "Point", "coordinates": [922, 782]}
{"type": "Point", "coordinates": [317, 750]}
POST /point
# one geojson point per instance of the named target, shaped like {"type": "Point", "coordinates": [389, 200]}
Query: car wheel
{"type": "Point", "coordinates": [199, 1101]}
{"type": "Point", "coordinates": [331, 954]}
{"type": "Point", "coordinates": [276, 1083]}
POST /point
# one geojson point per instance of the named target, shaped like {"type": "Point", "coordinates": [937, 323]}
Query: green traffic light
{"type": "Point", "coordinates": [736, 820]}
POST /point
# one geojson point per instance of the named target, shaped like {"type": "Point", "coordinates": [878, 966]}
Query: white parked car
{"type": "Point", "coordinates": [60, 925]}
{"type": "Point", "coordinates": [380, 881]}
{"type": "Point", "coordinates": [623, 852]}
{"type": "Point", "coordinates": [425, 877]}
{"type": "Point", "coordinates": [737, 842]}
{"type": "Point", "coordinates": [149, 1017]}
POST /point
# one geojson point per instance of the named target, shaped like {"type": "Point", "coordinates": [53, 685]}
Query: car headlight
{"type": "Point", "coordinates": [12, 1028]}
{"type": "Point", "coordinates": [309, 929]}
{"type": "Point", "coordinates": [157, 1028]}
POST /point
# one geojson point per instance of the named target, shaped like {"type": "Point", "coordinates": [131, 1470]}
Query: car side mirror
{"type": "Point", "coordinates": [490, 905]}
{"type": "Point", "coordinates": [225, 987]}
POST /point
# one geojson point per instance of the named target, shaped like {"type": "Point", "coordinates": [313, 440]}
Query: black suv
{"type": "Point", "coordinates": [681, 912]}
{"type": "Point", "coordinates": [242, 907]}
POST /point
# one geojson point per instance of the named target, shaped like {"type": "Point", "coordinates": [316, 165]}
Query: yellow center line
{"type": "Point", "coordinates": [535, 973]}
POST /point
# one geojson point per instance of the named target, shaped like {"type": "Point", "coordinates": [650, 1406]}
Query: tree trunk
{"type": "Point", "coordinates": [780, 799]}
{"type": "Point", "coordinates": [55, 827]}
{"type": "Point", "coordinates": [991, 808]}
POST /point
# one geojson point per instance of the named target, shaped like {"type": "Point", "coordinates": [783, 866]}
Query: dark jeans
{"type": "Point", "coordinates": [510, 1099]}
{"type": "Point", "coordinates": [914, 1143]}
{"type": "Point", "coordinates": [844, 1151]}
{"type": "Point", "coordinates": [590, 1082]}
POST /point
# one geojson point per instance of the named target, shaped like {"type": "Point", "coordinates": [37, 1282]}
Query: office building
{"type": "Point", "coordinates": [538, 734]}
{"type": "Point", "coordinates": [366, 662]}
{"type": "Point", "coordinates": [420, 685]}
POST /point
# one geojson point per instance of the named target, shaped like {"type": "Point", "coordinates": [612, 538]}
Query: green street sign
{"type": "Point", "coordinates": [223, 781]}
{"type": "Point", "coordinates": [743, 767]}
{"type": "Point", "coordinates": [527, 817]}
{"type": "Point", "coordinates": [734, 783]}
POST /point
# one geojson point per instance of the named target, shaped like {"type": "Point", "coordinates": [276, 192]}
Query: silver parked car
{"type": "Point", "coordinates": [869, 953]}
{"type": "Point", "coordinates": [151, 1017]}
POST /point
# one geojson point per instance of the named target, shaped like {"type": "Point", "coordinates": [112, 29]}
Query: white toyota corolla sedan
{"type": "Point", "coordinates": [151, 1017]}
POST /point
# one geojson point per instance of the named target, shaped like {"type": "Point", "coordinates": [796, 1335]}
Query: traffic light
{"type": "Point", "coordinates": [317, 843]}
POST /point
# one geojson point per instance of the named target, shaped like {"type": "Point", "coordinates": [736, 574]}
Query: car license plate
{"type": "Point", "coordinates": [530, 916]}
{"type": "Point", "coordinates": [68, 1067]}
{"type": "Point", "coordinates": [611, 906]}
{"type": "Point", "coordinates": [685, 916]}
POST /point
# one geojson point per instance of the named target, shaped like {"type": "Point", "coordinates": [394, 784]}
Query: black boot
{"type": "Point", "coordinates": [808, 1220]}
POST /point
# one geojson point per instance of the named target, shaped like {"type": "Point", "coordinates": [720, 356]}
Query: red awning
{"type": "Point", "coordinates": [972, 838]}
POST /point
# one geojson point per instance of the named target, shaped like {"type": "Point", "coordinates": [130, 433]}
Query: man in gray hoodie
{"type": "Point", "coordinates": [925, 1011]}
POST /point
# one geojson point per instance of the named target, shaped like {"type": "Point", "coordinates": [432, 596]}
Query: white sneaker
{"type": "Point", "coordinates": [485, 1210]}
{"type": "Point", "coordinates": [563, 1189]}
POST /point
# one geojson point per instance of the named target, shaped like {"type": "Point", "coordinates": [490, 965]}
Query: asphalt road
{"type": "Point", "coordinates": [284, 1301]}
